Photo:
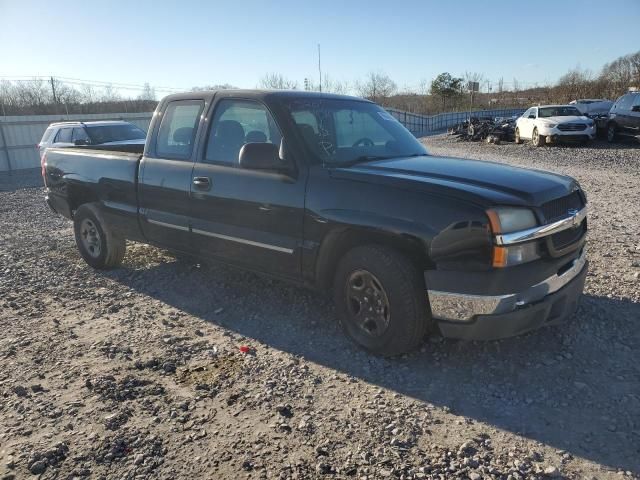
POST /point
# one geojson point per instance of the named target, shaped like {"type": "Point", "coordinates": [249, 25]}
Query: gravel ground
{"type": "Point", "coordinates": [139, 372]}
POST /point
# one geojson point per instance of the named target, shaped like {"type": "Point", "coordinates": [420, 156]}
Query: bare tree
{"type": "Point", "coordinates": [330, 85]}
{"type": "Point", "coordinates": [377, 86]}
{"type": "Point", "coordinates": [277, 81]}
{"type": "Point", "coordinates": [622, 73]}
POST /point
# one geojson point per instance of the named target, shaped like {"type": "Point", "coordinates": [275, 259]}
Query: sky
{"type": "Point", "coordinates": [188, 43]}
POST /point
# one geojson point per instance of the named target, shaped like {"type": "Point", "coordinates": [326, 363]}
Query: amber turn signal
{"type": "Point", "coordinates": [500, 256]}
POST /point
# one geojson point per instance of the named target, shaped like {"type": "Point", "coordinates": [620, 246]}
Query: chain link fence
{"type": "Point", "coordinates": [423, 124]}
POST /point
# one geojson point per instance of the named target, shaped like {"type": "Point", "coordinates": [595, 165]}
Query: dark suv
{"type": "Point", "coordinates": [624, 117]}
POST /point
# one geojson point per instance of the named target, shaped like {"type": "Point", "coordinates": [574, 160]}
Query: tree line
{"type": "Point", "coordinates": [446, 92]}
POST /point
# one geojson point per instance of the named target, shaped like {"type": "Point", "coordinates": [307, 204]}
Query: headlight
{"type": "Point", "coordinates": [509, 219]}
{"type": "Point", "coordinates": [552, 125]}
{"type": "Point", "coordinates": [515, 254]}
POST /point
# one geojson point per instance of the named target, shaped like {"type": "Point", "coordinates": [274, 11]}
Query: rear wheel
{"type": "Point", "coordinates": [536, 139]}
{"type": "Point", "coordinates": [611, 132]}
{"type": "Point", "coordinates": [97, 243]}
{"type": "Point", "coordinates": [381, 300]}
{"type": "Point", "coordinates": [517, 138]}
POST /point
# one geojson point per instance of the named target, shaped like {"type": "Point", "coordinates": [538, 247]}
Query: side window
{"type": "Point", "coordinates": [79, 134]}
{"type": "Point", "coordinates": [236, 122]}
{"type": "Point", "coordinates": [636, 100]}
{"type": "Point", "coordinates": [305, 117]}
{"type": "Point", "coordinates": [178, 129]}
{"type": "Point", "coordinates": [624, 102]}
{"type": "Point", "coordinates": [63, 136]}
{"type": "Point", "coordinates": [353, 127]}
{"type": "Point", "coordinates": [527, 113]}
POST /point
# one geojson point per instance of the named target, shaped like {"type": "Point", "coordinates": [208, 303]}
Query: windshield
{"type": "Point", "coordinates": [348, 131]}
{"type": "Point", "coordinates": [114, 133]}
{"type": "Point", "coordinates": [545, 112]}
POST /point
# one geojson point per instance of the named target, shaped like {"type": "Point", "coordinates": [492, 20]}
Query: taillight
{"type": "Point", "coordinates": [43, 157]}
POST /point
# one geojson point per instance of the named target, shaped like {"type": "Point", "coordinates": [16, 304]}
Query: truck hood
{"type": "Point", "coordinates": [485, 183]}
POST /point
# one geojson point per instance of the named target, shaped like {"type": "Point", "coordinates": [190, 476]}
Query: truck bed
{"type": "Point", "coordinates": [76, 175]}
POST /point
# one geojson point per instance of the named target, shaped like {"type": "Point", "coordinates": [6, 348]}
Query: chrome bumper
{"type": "Point", "coordinates": [458, 307]}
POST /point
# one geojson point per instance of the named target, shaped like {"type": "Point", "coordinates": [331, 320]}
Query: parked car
{"type": "Point", "coordinates": [592, 107]}
{"type": "Point", "coordinates": [624, 117]}
{"type": "Point", "coordinates": [333, 193]}
{"type": "Point", "coordinates": [65, 134]}
{"type": "Point", "coordinates": [554, 123]}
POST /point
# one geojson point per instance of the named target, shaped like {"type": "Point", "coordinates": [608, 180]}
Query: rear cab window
{"type": "Point", "coordinates": [178, 128]}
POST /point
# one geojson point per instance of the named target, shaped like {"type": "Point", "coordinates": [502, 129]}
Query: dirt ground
{"type": "Point", "coordinates": [138, 372]}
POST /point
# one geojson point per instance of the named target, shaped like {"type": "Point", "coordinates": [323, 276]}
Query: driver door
{"type": "Point", "coordinates": [251, 218]}
{"type": "Point", "coordinates": [530, 123]}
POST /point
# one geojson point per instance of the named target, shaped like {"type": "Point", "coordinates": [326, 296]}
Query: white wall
{"type": "Point", "coordinates": [22, 133]}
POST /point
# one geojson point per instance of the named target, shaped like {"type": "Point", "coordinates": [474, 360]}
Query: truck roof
{"type": "Point", "coordinates": [262, 94]}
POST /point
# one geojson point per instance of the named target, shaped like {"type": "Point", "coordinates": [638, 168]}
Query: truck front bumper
{"type": "Point", "coordinates": [488, 317]}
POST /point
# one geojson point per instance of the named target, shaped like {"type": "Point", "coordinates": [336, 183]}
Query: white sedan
{"type": "Point", "coordinates": [554, 123]}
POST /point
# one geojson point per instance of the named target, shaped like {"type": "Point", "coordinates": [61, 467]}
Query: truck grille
{"type": "Point", "coordinates": [559, 208]}
{"type": "Point", "coordinates": [572, 127]}
{"type": "Point", "coordinates": [565, 238]}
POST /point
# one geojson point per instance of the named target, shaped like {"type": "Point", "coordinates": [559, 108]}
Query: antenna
{"type": "Point", "coordinates": [319, 67]}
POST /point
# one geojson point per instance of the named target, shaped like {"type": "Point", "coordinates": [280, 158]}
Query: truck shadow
{"type": "Point", "coordinates": [574, 387]}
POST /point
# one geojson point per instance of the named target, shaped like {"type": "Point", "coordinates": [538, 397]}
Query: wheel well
{"type": "Point", "coordinates": [79, 196]}
{"type": "Point", "coordinates": [337, 244]}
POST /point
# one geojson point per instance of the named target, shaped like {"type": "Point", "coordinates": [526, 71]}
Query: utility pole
{"type": "Point", "coordinates": [319, 67]}
{"type": "Point", "coordinates": [55, 99]}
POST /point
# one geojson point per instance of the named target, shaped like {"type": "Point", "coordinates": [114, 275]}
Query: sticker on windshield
{"type": "Point", "coordinates": [387, 116]}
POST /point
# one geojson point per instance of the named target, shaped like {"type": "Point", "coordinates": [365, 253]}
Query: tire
{"type": "Point", "coordinates": [377, 276]}
{"type": "Point", "coordinates": [516, 137]}
{"type": "Point", "coordinates": [611, 132]}
{"type": "Point", "coordinates": [97, 243]}
{"type": "Point", "coordinates": [536, 139]}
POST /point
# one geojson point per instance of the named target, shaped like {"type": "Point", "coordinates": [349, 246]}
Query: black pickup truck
{"type": "Point", "coordinates": [332, 192]}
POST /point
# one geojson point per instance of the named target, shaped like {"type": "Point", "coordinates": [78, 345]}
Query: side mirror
{"type": "Point", "coordinates": [532, 116]}
{"type": "Point", "coordinates": [260, 156]}
{"type": "Point", "coordinates": [80, 142]}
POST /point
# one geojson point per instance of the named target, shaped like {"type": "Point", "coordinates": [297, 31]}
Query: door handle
{"type": "Point", "coordinates": [202, 182]}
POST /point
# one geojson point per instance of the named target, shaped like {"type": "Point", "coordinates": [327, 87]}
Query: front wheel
{"type": "Point", "coordinates": [97, 243]}
{"type": "Point", "coordinates": [611, 133]}
{"type": "Point", "coordinates": [381, 300]}
{"type": "Point", "coordinates": [536, 139]}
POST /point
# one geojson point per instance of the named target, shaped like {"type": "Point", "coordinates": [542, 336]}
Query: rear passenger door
{"type": "Point", "coordinates": [621, 113]}
{"type": "Point", "coordinates": [165, 175]}
{"type": "Point", "coordinates": [633, 124]}
{"type": "Point", "coordinates": [525, 124]}
{"type": "Point", "coordinates": [246, 217]}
